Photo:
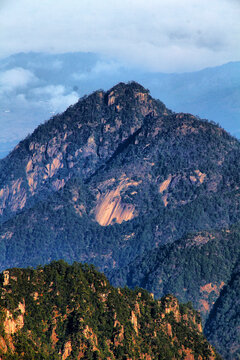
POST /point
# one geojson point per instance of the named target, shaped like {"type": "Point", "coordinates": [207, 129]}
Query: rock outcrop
{"type": "Point", "coordinates": [78, 314]}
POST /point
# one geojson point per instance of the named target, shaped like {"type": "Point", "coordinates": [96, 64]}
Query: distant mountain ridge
{"type": "Point", "coordinates": [120, 181]}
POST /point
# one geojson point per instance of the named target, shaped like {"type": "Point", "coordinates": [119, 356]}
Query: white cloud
{"type": "Point", "coordinates": [15, 78]}
{"type": "Point", "coordinates": [52, 90]}
{"type": "Point", "coordinates": [101, 68]}
{"type": "Point", "coordinates": [55, 97]}
{"type": "Point", "coordinates": [27, 106]}
{"type": "Point", "coordinates": [157, 34]}
{"type": "Point", "coordinates": [61, 102]}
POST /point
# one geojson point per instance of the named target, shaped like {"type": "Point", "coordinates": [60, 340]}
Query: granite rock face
{"type": "Point", "coordinates": [120, 181]}
{"type": "Point", "coordinates": [77, 142]}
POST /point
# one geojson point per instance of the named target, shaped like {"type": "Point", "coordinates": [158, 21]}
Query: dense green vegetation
{"type": "Point", "coordinates": [65, 136]}
{"type": "Point", "coordinates": [202, 268]}
{"type": "Point", "coordinates": [222, 327]}
{"type": "Point", "coordinates": [76, 305]}
{"type": "Point", "coordinates": [185, 266]}
{"type": "Point", "coordinates": [175, 145]}
{"type": "Point", "coordinates": [179, 173]}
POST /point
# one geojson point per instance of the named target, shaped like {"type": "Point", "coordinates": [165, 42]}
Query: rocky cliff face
{"type": "Point", "coordinates": [77, 142]}
{"type": "Point", "coordinates": [73, 313]}
{"type": "Point", "coordinates": [117, 176]}
{"type": "Point", "coordinates": [115, 158]}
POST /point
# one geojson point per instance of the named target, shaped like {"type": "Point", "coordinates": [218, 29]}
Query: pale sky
{"type": "Point", "coordinates": [111, 41]}
{"type": "Point", "coordinates": [158, 35]}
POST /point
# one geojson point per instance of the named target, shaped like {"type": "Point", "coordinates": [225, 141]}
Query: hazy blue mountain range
{"type": "Point", "coordinates": [35, 86]}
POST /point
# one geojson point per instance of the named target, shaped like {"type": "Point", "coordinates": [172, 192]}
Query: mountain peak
{"type": "Point", "coordinates": [128, 92]}
{"type": "Point", "coordinates": [119, 95]}
{"type": "Point", "coordinates": [86, 137]}
{"type": "Point", "coordinates": [129, 86]}
{"type": "Point", "coordinates": [123, 96]}
{"type": "Point", "coordinates": [78, 141]}
{"type": "Point", "coordinates": [112, 178]}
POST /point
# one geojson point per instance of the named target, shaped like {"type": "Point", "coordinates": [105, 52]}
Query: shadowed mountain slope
{"type": "Point", "coordinates": [202, 268]}
{"type": "Point", "coordinates": [222, 327]}
{"type": "Point", "coordinates": [77, 142]}
{"type": "Point", "coordinates": [119, 181]}
{"type": "Point", "coordinates": [115, 175]}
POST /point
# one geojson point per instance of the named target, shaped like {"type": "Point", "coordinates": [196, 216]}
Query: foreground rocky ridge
{"type": "Point", "coordinates": [72, 312]}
